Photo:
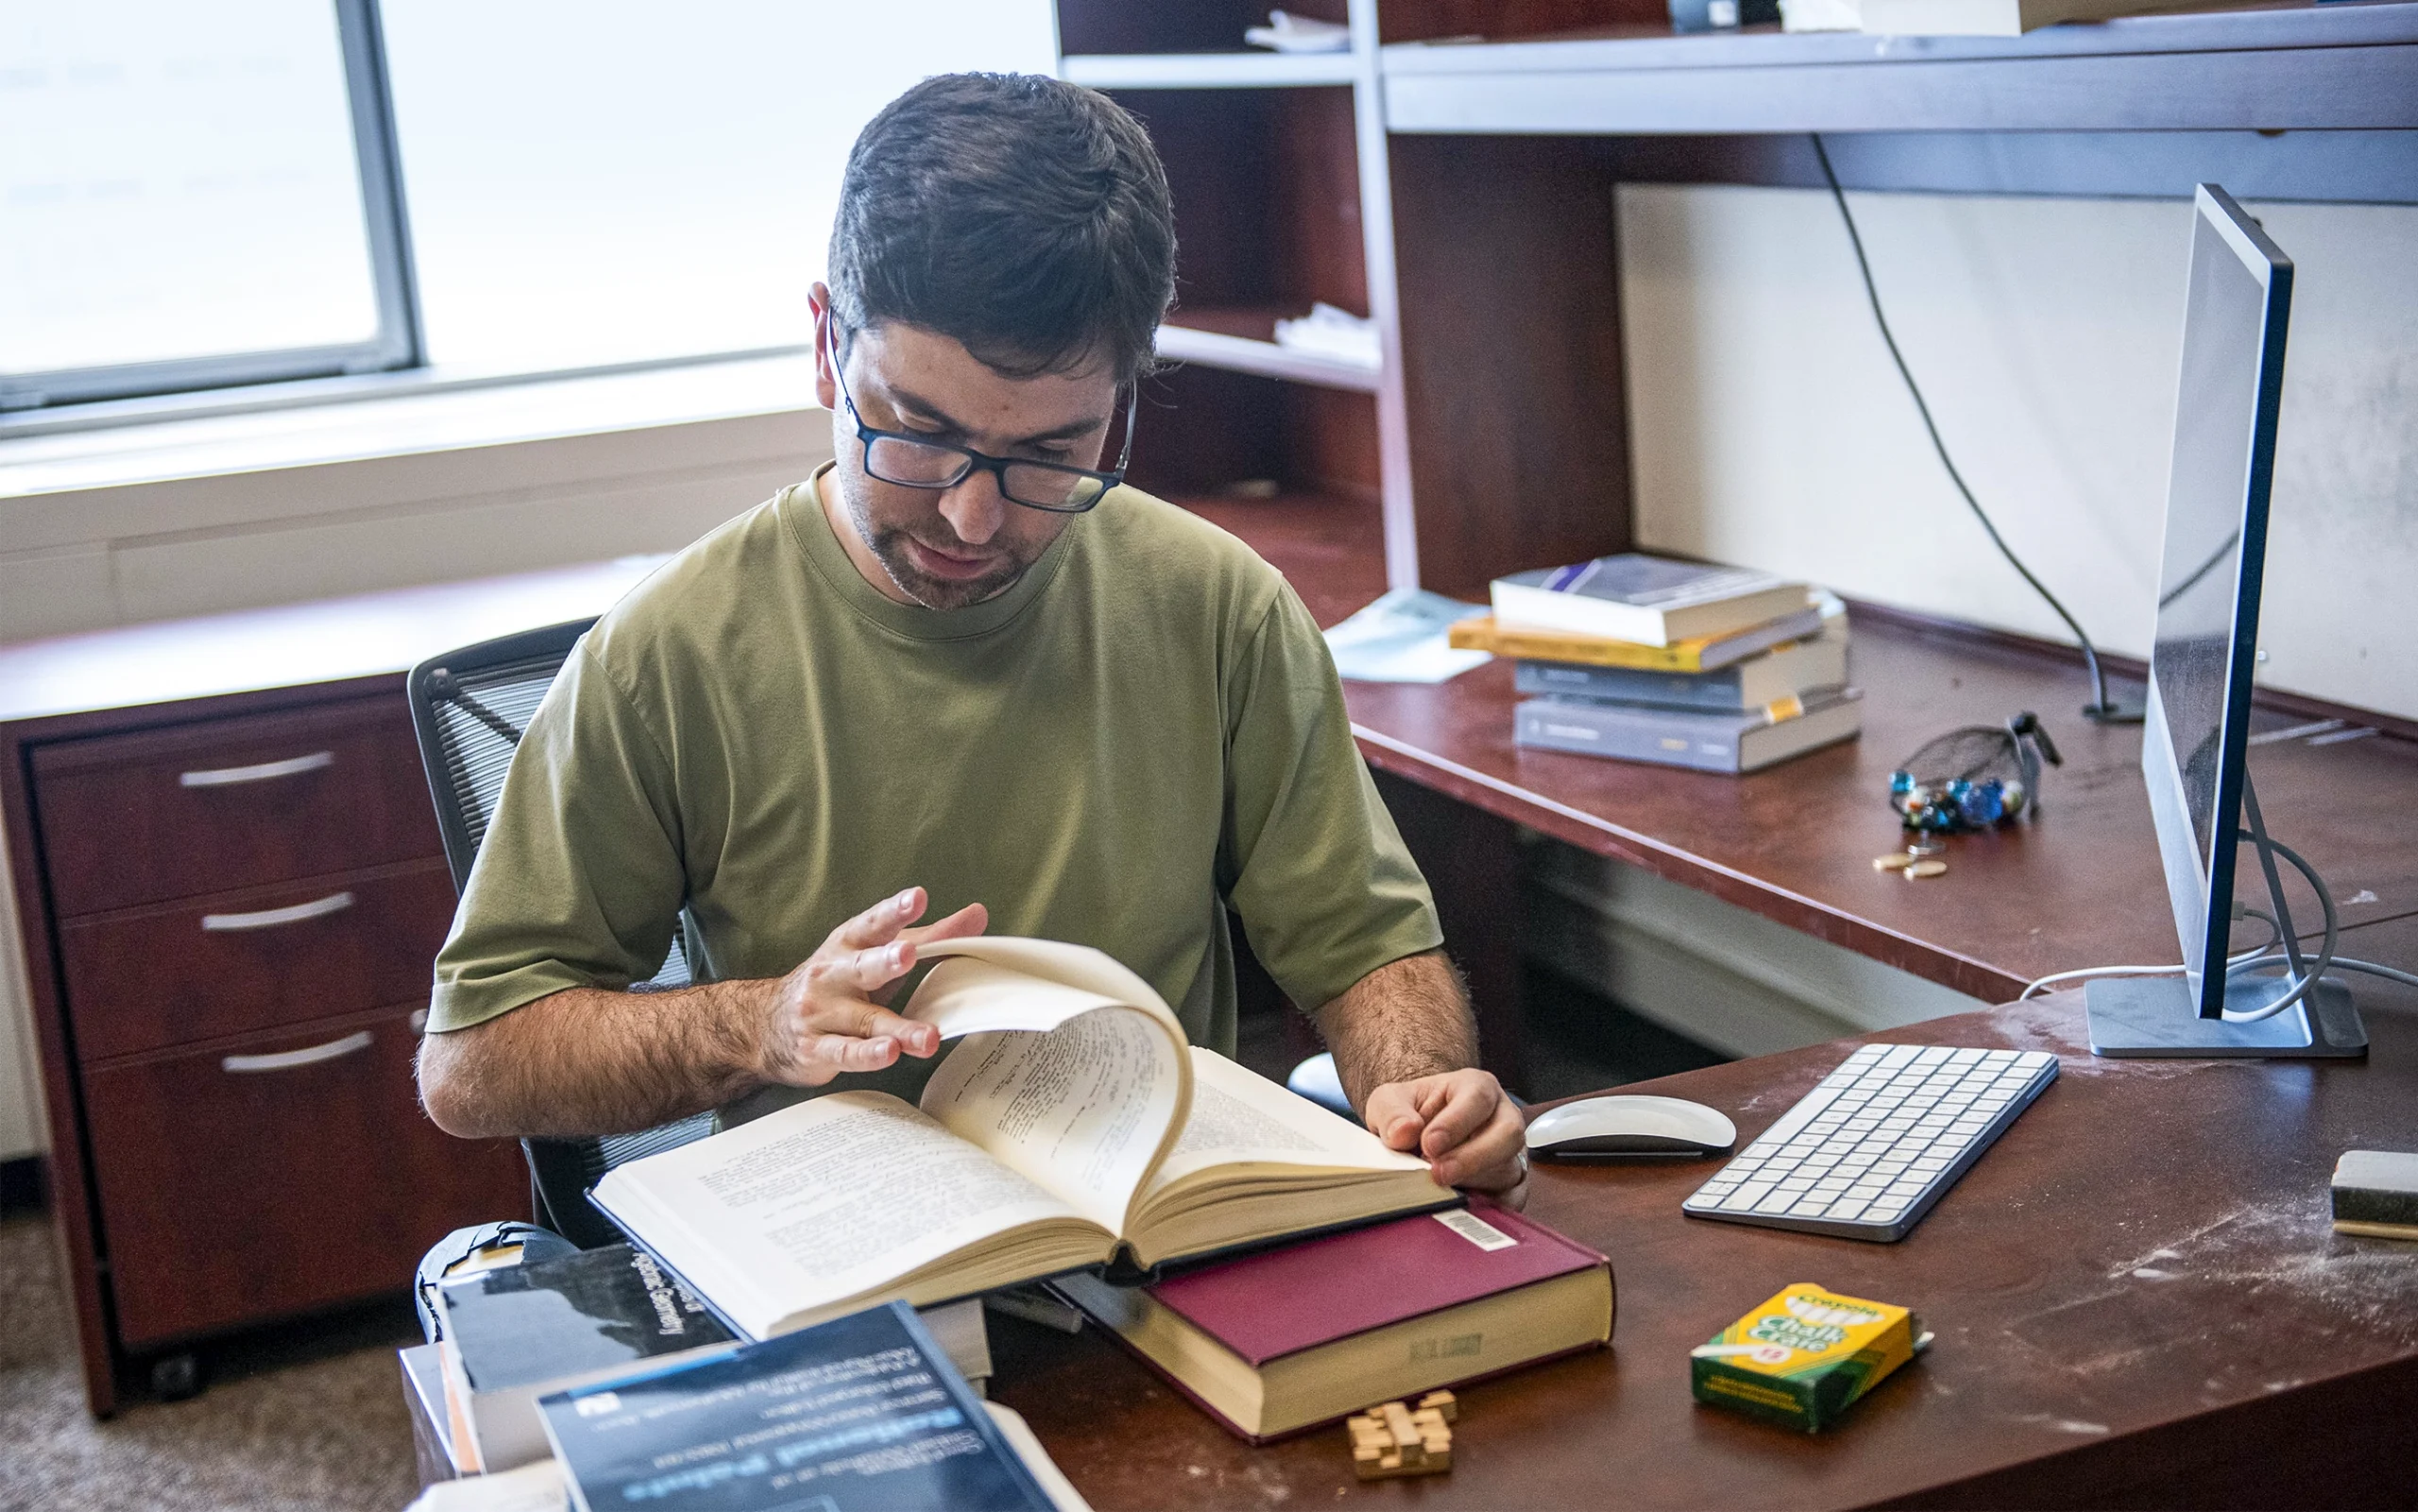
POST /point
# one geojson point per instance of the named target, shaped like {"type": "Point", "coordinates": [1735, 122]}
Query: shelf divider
{"type": "Point", "coordinates": [1192, 71]}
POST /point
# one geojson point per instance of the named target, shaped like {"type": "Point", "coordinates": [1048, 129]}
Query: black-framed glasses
{"type": "Point", "coordinates": [918, 462]}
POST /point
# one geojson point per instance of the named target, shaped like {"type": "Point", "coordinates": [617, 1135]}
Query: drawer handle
{"type": "Point", "coordinates": [288, 1059]}
{"type": "Point", "coordinates": [271, 918]}
{"type": "Point", "coordinates": [265, 772]}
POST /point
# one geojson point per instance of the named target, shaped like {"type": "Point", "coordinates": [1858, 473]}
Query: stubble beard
{"type": "Point", "coordinates": [889, 548]}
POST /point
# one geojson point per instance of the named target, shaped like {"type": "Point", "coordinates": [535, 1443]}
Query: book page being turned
{"type": "Point", "coordinates": [1079, 1090]}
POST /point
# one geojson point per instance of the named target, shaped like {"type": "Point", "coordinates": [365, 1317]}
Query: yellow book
{"type": "Point", "coordinates": [1703, 653]}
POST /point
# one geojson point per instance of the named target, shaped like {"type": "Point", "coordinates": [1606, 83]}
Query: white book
{"type": "Point", "coordinates": [1647, 601]}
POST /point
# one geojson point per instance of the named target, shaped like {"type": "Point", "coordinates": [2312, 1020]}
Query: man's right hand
{"type": "Point", "coordinates": [829, 1015]}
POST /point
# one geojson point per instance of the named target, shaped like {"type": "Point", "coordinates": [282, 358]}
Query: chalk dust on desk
{"type": "Point", "coordinates": [2043, 1023]}
{"type": "Point", "coordinates": [2065, 1425]}
{"type": "Point", "coordinates": [2291, 1246]}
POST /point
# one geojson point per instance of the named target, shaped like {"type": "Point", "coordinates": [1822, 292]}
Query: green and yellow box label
{"type": "Point", "coordinates": [1804, 1356]}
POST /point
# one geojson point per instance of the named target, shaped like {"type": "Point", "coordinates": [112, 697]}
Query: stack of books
{"type": "Point", "coordinates": [1682, 664]}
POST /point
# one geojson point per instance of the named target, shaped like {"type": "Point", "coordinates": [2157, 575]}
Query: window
{"type": "Point", "coordinates": [192, 195]}
{"type": "Point", "coordinates": [194, 192]}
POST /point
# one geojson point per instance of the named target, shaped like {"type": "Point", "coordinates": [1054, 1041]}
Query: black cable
{"type": "Point", "coordinates": [2101, 707]}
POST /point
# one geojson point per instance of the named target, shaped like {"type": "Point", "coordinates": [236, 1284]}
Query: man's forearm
{"type": "Point", "coordinates": [588, 1060]}
{"type": "Point", "coordinates": [1403, 1021]}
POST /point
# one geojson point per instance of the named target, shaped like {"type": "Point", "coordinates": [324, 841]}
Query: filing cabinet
{"type": "Point", "coordinates": [230, 906]}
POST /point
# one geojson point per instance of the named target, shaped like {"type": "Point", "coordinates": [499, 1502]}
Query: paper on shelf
{"type": "Point", "coordinates": [1337, 335]}
{"type": "Point", "coordinates": [1402, 639]}
{"type": "Point", "coordinates": [1821, 15]}
{"type": "Point", "coordinates": [1289, 33]}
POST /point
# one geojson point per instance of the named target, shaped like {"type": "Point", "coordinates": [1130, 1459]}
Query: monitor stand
{"type": "Point", "coordinates": [2156, 1017]}
{"type": "Point", "coordinates": [2151, 1017]}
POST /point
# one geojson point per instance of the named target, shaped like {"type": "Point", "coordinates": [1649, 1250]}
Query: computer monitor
{"type": "Point", "coordinates": [2197, 735]}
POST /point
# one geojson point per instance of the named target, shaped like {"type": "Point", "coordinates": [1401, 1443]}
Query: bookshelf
{"type": "Point", "coordinates": [1285, 195]}
{"type": "Point", "coordinates": [1451, 176]}
{"type": "Point", "coordinates": [1270, 157]}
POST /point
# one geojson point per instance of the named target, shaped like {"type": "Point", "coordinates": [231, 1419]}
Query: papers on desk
{"type": "Point", "coordinates": [1402, 637]}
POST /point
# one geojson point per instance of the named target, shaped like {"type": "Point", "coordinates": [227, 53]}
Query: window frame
{"type": "Point", "coordinates": [398, 342]}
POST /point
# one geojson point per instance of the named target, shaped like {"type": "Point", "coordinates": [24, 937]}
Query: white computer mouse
{"type": "Point", "coordinates": [1626, 1125]}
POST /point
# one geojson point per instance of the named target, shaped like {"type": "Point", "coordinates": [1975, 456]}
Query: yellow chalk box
{"type": "Point", "coordinates": [1802, 1358]}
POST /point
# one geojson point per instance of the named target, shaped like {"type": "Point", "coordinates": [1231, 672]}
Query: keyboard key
{"type": "Point", "coordinates": [1848, 1207]}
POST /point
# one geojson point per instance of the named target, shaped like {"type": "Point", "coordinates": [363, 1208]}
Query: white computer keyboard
{"type": "Point", "coordinates": [1866, 1154]}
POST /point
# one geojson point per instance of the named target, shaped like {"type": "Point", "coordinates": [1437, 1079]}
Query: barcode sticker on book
{"type": "Point", "coordinates": [1475, 1229]}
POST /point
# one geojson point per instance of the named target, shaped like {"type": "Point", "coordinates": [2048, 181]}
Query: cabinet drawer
{"type": "Point", "coordinates": [147, 979]}
{"type": "Point", "coordinates": [288, 1172]}
{"type": "Point", "coordinates": [230, 803]}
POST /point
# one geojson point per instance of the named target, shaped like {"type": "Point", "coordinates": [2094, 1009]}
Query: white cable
{"type": "Point", "coordinates": [2388, 973]}
{"type": "Point", "coordinates": [2316, 972]}
{"type": "Point", "coordinates": [2249, 959]}
{"type": "Point", "coordinates": [2099, 971]}
{"type": "Point", "coordinates": [2244, 957]}
{"type": "Point", "coordinates": [2337, 963]}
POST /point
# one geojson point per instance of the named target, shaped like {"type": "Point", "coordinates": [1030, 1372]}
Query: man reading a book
{"type": "Point", "coordinates": [959, 672]}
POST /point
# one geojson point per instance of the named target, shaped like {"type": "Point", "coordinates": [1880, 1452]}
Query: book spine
{"type": "Point", "coordinates": [1520, 606]}
{"type": "Point", "coordinates": [1257, 1440]}
{"type": "Point", "coordinates": [1486, 635]}
{"type": "Point", "coordinates": [712, 1307]}
{"type": "Point", "coordinates": [1719, 691]}
{"type": "Point", "coordinates": [1627, 734]}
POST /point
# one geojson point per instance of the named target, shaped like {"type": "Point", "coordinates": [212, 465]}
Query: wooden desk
{"type": "Point", "coordinates": [2079, 886]}
{"type": "Point", "coordinates": [2137, 1296]}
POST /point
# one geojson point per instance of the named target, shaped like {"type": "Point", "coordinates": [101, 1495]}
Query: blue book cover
{"type": "Point", "coordinates": [862, 1412]}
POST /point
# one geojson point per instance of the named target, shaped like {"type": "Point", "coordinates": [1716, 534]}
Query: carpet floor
{"type": "Point", "coordinates": [309, 1420]}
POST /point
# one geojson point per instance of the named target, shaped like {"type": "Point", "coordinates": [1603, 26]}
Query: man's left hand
{"type": "Point", "coordinates": [1463, 1124]}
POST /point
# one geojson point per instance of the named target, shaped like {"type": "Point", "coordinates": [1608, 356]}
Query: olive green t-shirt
{"type": "Point", "coordinates": [1143, 731]}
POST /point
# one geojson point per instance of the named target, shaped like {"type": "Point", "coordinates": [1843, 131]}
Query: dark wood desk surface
{"type": "Point", "coordinates": [2137, 1296]}
{"type": "Point", "coordinates": [2081, 885]}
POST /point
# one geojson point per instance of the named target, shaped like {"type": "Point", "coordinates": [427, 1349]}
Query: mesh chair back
{"type": "Point", "coordinates": [470, 707]}
{"type": "Point", "coordinates": [480, 715]}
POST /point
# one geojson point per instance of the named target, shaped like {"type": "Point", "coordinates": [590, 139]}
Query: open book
{"type": "Point", "coordinates": [1070, 1122]}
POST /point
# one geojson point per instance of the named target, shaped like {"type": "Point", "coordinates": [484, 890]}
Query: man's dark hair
{"type": "Point", "coordinates": [1024, 216]}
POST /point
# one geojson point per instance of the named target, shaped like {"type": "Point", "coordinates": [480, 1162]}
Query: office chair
{"type": "Point", "coordinates": [470, 707]}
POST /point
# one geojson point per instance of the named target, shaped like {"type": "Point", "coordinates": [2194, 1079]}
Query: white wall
{"type": "Point", "coordinates": [1770, 429]}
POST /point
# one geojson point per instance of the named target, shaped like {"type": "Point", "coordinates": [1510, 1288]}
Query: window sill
{"type": "Point", "coordinates": [383, 414]}
{"type": "Point", "coordinates": [199, 514]}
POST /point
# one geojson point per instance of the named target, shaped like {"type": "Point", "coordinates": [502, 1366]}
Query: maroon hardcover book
{"type": "Point", "coordinates": [1270, 1304]}
{"type": "Point", "coordinates": [1275, 1302]}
